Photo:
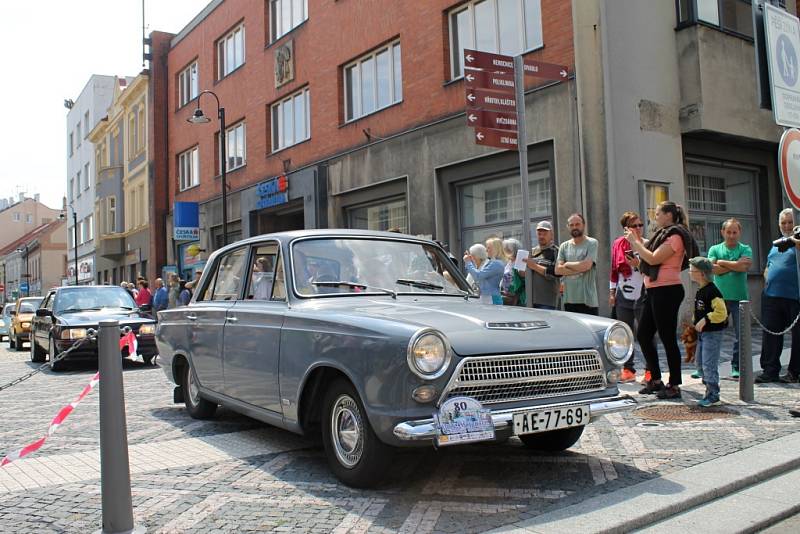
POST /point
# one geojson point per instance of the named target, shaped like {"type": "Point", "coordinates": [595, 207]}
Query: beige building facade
{"type": "Point", "coordinates": [22, 217]}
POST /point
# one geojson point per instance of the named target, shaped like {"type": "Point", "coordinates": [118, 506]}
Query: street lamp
{"type": "Point", "coordinates": [27, 274]}
{"type": "Point", "coordinates": [199, 118]}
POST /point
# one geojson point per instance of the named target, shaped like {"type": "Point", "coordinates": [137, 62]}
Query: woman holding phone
{"type": "Point", "coordinates": [626, 293]}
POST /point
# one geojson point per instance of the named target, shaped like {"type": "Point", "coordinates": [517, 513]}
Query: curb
{"type": "Point", "coordinates": [646, 503]}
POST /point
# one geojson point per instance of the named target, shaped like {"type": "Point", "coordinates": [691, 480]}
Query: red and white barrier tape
{"type": "Point", "coordinates": [54, 424]}
{"type": "Point", "coordinates": [129, 340]}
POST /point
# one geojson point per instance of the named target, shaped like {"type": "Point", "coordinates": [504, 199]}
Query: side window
{"type": "Point", "coordinates": [228, 281]}
{"type": "Point", "coordinates": [262, 272]}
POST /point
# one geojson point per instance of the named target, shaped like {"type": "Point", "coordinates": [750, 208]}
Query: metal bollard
{"type": "Point", "coordinates": [745, 353]}
{"type": "Point", "coordinates": [115, 475]}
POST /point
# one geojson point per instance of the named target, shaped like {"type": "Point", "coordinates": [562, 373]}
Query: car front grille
{"type": "Point", "coordinates": [496, 379]}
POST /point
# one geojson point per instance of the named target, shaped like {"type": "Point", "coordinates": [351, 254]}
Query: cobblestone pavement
{"type": "Point", "coordinates": [235, 474]}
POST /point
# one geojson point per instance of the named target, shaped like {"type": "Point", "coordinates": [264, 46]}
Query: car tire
{"type": "Point", "coordinates": [37, 354]}
{"type": "Point", "coordinates": [198, 407]}
{"type": "Point", "coordinates": [148, 360]}
{"type": "Point", "coordinates": [18, 345]}
{"type": "Point", "coordinates": [51, 351]}
{"type": "Point", "coordinates": [355, 454]}
{"type": "Point", "coordinates": [554, 440]}
{"type": "Point", "coordinates": [11, 341]}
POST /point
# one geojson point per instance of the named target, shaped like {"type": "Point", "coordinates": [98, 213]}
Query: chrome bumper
{"type": "Point", "coordinates": [423, 429]}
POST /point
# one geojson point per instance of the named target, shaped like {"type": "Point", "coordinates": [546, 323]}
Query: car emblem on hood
{"type": "Point", "coordinates": [518, 325]}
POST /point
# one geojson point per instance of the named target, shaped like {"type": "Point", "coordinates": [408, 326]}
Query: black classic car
{"type": "Point", "coordinates": [67, 313]}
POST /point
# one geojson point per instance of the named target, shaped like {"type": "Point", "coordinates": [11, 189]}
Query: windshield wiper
{"type": "Point", "coordinates": [342, 283]}
{"type": "Point", "coordinates": [421, 284]}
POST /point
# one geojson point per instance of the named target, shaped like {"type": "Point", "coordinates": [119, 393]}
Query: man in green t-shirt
{"type": "Point", "coordinates": [577, 264]}
{"type": "Point", "coordinates": [732, 260]}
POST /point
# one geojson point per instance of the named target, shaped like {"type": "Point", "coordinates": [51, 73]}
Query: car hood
{"type": "Point", "coordinates": [466, 323]}
{"type": "Point", "coordinates": [92, 318]}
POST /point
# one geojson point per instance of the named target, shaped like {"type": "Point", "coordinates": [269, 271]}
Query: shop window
{"type": "Point", "coordinates": [373, 82]}
{"type": "Point", "coordinates": [493, 208]}
{"type": "Point", "coordinates": [717, 192]}
{"type": "Point", "coordinates": [384, 215]}
{"type": "Point", "coordinates": [500, 26]}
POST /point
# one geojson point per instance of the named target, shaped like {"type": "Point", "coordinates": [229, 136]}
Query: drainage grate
{"type": "Point", "coordinates": [682, 412]}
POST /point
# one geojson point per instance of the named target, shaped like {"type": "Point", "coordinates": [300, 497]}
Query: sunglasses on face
{"type": "Point", "coordinates": [640, 225]}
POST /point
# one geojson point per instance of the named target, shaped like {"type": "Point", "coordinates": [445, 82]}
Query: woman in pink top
{"type": "Point", "coordinates": [144, 296]}
{"type": "Point", "coordinates": [663, 259]}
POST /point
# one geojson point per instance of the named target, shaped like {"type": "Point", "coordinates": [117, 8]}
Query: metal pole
{"type": "Point", "coordinates": [75, 232]}
{"type": "Point", "coordinates": [522, 148]}
{"type": "Point", "coordinates": [223, 141]}
{"type": "Point", "coordinates": [115, 477]}
{"type": "Point", "coordinates": [745, 353]}
{"type": "Point", "coordinates": [27, 273]}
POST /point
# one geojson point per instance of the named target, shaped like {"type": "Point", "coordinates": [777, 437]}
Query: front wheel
{"type": "Point", "coordinates": [18, 345]}
{"type": "Point", "coordinates": [59, 365]}
{"type": "Point", "coordinates": [198, 407]}
{"type": "Point", "coordinates": [553, 441]}
{"type": "Point", "coordinates": [37, 354]}
{"type": "Point", "coordinates": [11, 337]}
{"type": "Point", "coordinates": [355, 454]}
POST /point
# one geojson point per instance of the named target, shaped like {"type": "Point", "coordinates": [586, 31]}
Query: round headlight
{"type": "Point", "coordinates": [428, 354]}
{"type": "Point", "coordinates": [619, 343]}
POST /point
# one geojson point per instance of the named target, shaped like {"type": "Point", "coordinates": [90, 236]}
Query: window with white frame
{"type": "Point", "coordinates": [189, 168]}
{"type": "Point", "coordinates": [507, 27]}
{"type": "Point", "coordinates": [141, 125]}
{"type": "Point", "coordinates": [718, 191]}
{"type": "Point", "coordinates": [29, 218]}
{"type": "Point", "coordinates": [235, 147]}
{"type": "Point", "coordinates": [111, 215]}
{"type": "Point", "coordinates": [86, 175]}
{"type": "Point", "coordinates": [78, 184]}
{"type": "Point", "coordinates": [89, 227]}
{"type": "Point", "coordinates": [291, 122]}
{"type": "Point", "coordinates": [70, 144]}
{"type": "Point", "coordinates": [285, 15]}
{"type": "Point", "coordinates": [71, 191]}
{"type": "Point", "coordinates": [373, 82]}
{"type": "Point", "coordinates": [81, 232]}
{"type": "Point", "coordinates": [86, 125]}
{"type": "Point", "coordinates": [131, 134]}
{"type": "Point", "coordinates": [78, 136]}
{"type": "Point", "coordinates": [383, 215]}
{"type": "Point", "coordinates": [230, 52]}
{"type": "Point", "coordinates": [188, 84]}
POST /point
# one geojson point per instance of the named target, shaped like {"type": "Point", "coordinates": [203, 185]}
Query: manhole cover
{"type": "Point", "coordinates": [682, 412]}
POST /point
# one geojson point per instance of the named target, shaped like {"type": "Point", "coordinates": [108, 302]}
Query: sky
{"type": "Point", "coordinates": [52, 48]}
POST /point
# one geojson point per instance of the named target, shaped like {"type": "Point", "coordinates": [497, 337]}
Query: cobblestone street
{"type": "Point", "coordinates": [235, 474]}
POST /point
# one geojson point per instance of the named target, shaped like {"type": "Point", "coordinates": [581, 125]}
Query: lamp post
{"type": "Point", "coordinates": [199, 118]}
{"type": "Point", "coordinates": [75, 237]}
{"type": "Point", "coordinates": [27, 274]}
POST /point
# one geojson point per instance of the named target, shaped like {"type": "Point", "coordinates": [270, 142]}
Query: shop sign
{"type": "Point", "coordinates": [190, 255]}
{"type": "Point", "coordinates": [186, 225]}
{"type": "Point", "coordinates": [85, 270]}
{"type": "Point", "coordinates": [273, 192]}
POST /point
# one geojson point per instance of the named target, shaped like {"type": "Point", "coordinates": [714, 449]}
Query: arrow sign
{"type": "Point", "coordinates": [491, 100]}
{"type": "Point", "coordinates": [495, 138]}
{"type": "Point", "coordinates": [491, 62]}
{"type": "Point", "coordinates": [492, 119]}
{"type": "Point", "coordinates": [548, 71]}
{"type": "Point", "coordinates": [497, 81]}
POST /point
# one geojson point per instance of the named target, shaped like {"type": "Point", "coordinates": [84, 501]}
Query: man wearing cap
{"type": "Point", "coordinates": [542, 262]}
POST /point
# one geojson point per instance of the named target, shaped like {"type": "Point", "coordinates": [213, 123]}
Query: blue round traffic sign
{"type": "Point", "coordinates": [787, 60]}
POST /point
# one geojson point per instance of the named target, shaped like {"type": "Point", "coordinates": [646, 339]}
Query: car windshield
{"type": "Point", "coordinates": [369, 266]}
{"type": "Point", "coordinates": [29, 306]}
{"type": "Point", "coordinates": [93, 298]}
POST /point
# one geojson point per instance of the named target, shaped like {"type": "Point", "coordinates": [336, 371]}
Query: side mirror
{"type": "Point", "coordinates": [43, 312]}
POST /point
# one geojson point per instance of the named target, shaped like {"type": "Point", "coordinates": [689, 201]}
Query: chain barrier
{"type": "Point", "coordinates": [91, 334]}
{"type": "Point", "coordinates": [768, 331]}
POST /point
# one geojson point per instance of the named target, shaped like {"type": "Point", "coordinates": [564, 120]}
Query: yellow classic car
{"type": "Point", "coordinates": [21, 317]}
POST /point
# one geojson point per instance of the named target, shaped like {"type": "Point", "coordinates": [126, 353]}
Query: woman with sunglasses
{"type": "Point", "coordinates": [626, 287]}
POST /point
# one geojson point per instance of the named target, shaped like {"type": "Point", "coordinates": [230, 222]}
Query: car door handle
{"type": "Point", "coordinates": [233, 319]}
{"type": "Point", "coordinates": [191, 317]}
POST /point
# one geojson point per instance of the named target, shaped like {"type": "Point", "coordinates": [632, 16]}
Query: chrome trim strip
{"type": "Point", "coordinates": [424, 429]}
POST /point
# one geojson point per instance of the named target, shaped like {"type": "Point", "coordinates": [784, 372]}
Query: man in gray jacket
{"type": "Point", "coordinates": [542, 262]}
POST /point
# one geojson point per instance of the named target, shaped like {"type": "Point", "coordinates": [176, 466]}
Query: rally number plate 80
{"type": "Point", "coordinates": [550, 419]}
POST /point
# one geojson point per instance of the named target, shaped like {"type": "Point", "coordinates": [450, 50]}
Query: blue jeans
{"type": "Point", "coordinates": [708, 348]}
{"type": "Point", "coordinates": [733, 320]}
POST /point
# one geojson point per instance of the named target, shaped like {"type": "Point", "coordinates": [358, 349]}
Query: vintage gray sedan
{"type": "Point", "coordinates": [375, 341]}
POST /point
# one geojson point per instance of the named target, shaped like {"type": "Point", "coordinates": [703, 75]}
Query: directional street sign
{"type": "Point", "coordinates": [492, 119]}
{"type": "Point", "coordinates": [492, 62]}
{"type": "Point", "coordinates": [782, 31]}
{"type": "Point", "coordinates": [497, 81]}
{"type": "Point", "coordinates": [549, 71]}
{"type": "Point", "coordinates": [495, 138]}
{"type": "Point", "coordinates": [491, 100]}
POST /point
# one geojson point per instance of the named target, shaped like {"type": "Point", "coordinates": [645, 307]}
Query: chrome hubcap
{"type": "Point", "coordinates": [347, 429]}
{"type": "Point", "coordinates": [194, 391]}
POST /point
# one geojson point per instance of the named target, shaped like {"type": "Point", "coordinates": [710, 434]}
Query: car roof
{"type": "Point", "coordinates": [286, 237]}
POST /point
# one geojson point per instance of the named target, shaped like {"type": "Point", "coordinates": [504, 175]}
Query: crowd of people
{"type": "Point", "coordinates": [175, 292]}
{"type": "Point", "coordinates": [646, 291]}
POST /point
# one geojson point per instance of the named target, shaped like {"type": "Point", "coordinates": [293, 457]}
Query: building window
{"type": "Point", "coordinates": [188, 84]}
{"type": "Point", "coordinates": [285, 15]}
{"type": "Point", "coordinates": [86, 123]}
{"type": "Point", "coordinates": [141, 125]}
{"type": "Point", "coordinates": [716, 192]}
{"type": "Point", "coordinates": [89, 227]}
{"type": "Point", "coordinates": [29, 218]}
{"type": "Point", "coordinates": [383, 215]}
{"type": "Point", "coordinates": [70, 144]}
{"type": "Point", "coordinates": [189, 168]}
{"type": "Point", "coordinates": [729, 15]}
{"type": "Point", "coordinates": [493, 208]}
{"type": "Point", "coordinates": [71, 191]}
{"type": "Point", "coordinates": [131, 134]}
{"type": "Point", "coordinates": [500, 26]}
{"type": "Point", "coordinates": [373, 82]}
{"type": "Point", "coordinates": [78, 184]}
{"type": "Point", "coordinates": [230, 52]}
{"type": "Point", "coordinates": [82, 232]}
{"type": "Point", "coordinates": [78, 136]}
{"type": "Point", "coordinates": [235, 147]}
{"type": "Point", "coordinates": [86, 176]}
{"type": "Point", "coordinates": [291, 120]}
{"type": "Point", "coordinates": [651, 195]}
{"type": "Point", "coordinates": [111, 215]}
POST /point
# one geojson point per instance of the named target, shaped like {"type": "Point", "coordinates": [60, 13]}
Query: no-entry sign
{"type": "Point", "coordinates": [789, 165]}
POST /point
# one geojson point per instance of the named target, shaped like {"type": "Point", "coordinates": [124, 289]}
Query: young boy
{"type": "Point", "coordinates": [710, 321]}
